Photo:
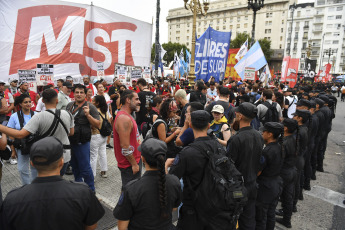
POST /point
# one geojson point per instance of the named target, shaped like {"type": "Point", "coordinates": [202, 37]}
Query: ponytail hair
{"type": "Point", "coordinates": [163, 200]}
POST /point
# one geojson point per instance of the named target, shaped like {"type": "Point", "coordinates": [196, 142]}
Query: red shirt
{"type": "Point", "coordinates": [165, 91]}
{"type": "Point", "coordinates": [72, 95]}
{"type": "Point", "coordinates": [136, 89]}
{"type": "Point", "coordinates": [32, 95]}
{"type": "Point", "coordinates": [6, 92]}
{"type": "Point", "coordinates": [122, 161]}
{"type": "Point", "coordinates": [153, 89]}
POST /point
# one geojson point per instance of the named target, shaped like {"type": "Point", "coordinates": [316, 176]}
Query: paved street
{"type": "Point", "coordinates": [322, 207]}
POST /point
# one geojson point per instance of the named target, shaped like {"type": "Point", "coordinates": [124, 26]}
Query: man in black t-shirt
{"type": "Point", "coordinates": [50, 202]}
{"type": "Point", "coordinates": [145, 97]}
{"type": "Point", "coordinates": [114, 94]}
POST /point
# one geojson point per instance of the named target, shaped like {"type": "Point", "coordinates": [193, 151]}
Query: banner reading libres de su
{"type": "Point", "coordinates": [73, 37]}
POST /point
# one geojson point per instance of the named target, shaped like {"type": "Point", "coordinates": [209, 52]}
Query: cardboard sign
{"type": "Point", "coordinates": [45, 74]}
{"type": "Point", "coordinates": [136, 73]}
{"type": "Point", "coordinates": [121, 72]}
{"type": "Point", "coordinates": [27, 75]}
{"type": "Point", "coordinates": [146, 73]}
{"type": "Point", "coordinates": [100, 70]}
{"type": "Point", "coordinates": [249, 73]}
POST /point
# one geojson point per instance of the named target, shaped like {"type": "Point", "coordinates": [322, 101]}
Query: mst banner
{"type": "Point", "coordinates": [73, 37]}
{"type": "Point", "coordinates": [211, 53]}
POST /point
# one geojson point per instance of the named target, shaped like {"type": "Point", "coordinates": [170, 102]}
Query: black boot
{"type": "Point", "coordinates": [319, 168]}
{"type": "Point", "coordinates": [306, 185]}
{"type": "Point", "coordinates": [313, 174]}
{"type": "Point", "coordinates": [294, 208]}
{"type": "Point", "coordinates": [284, 222]}
{"type": "Point", "coordinates": [279, 212]}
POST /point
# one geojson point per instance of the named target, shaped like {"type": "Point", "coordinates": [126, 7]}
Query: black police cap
{"type": "Point", "coordinates": [302, 113]}
{"type": "Point", "coordinates": [200, 117]}
{"type": "Point", "coordinates": [324, 98]}
{"type": "Point", "coordinates": [291, 124]}
{"type": "Point", "coordinates": [247, 109]}
{"type": "Point", "coordinates": [319, 101]}
{"type": "Point", "coordinates": [151, 148]}
{"type": "Point", "coordinates": [312, 104]}
{"type": "Point", "coordinates": [303, 102]}
{"type": "Point", "coordinates": [48, 148]}
{"type": "Point", "coordinates": [273, 127]}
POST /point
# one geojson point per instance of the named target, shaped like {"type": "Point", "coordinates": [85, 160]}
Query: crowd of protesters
{"type": "Point", "coordinates": [275, 135]}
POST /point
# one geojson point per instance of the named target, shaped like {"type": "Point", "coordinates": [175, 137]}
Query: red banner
{"type": "Point", "coordinates": [292, 72]}
{"type": "Point", "coordinates": [285, 66]}
{"type": "Point", "coordinates": [230, 70]}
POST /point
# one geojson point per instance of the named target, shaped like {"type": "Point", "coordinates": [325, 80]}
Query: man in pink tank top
{"type": "Point", "coordinates": [127, 139]}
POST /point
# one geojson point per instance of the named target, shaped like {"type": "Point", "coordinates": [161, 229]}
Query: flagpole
{"type": "Point", "coordinates": [157, 46]}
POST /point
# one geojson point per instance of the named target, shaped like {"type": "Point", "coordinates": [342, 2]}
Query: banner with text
{"type": "Point", "coordinates": [45, 74]}
{"type": "Point", "coordinates": [211, 53]}
{"type": "Point", "coordinates": [29, 76]}
{"type": "Point", "coordinates": [230, 64]}
{"type": "Point", "coordinates": [71, 36]}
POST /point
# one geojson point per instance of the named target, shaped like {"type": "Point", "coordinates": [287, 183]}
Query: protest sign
{"type": "Point", "coordinates": [100, 70]}
{"type": "Point", "coordinates": [146, 73]}
{"type": "Point", "coordinates": [45, 74]}
{"type": "Point", "coordinates": [29, 76]}
{"type": "Point", "coordinates": [249, 73]}
{"type": "Point", "coordinates": [211, 53]}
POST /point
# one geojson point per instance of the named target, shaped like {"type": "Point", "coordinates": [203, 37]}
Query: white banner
{"type": "Point", "coordinates": [73, 37]}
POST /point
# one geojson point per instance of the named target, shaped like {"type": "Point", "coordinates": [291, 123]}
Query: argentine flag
{"type": "Point", "coordinates": [254, 58]}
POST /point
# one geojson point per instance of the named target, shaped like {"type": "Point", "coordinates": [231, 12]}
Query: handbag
{"type": "Point", "coordinates": [106, 128]}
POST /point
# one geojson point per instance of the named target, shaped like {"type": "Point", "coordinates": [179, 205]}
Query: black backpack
{"type": "Point", "coordinates": [106, 128]}
{"type": "Point", "coordinates": [221, 191]}
{"type": "Point", "coordinates": [272, 114]}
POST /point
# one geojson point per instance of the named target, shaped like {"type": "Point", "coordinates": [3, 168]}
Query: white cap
{"type": "Point", "coordinates": [150, 81]}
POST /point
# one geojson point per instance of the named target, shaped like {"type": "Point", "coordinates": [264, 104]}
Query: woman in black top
{"type": "Point", "coordinates": [288, 172]}
{"type": "Point", "coordinates": [147, 203]}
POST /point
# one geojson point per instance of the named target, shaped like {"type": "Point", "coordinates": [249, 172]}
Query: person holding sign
{"type": "Point", "coordinates": [24, 89]}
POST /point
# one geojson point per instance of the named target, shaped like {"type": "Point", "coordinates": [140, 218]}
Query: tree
{"type": "Point", "coordinates": [171, 48]}
{"type": "Point", "coordinates": [264, 43]}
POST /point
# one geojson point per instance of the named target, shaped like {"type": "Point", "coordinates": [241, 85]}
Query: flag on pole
{"type": "Point", "coordinates": [265, 76]}
{"type": "Point", "coordinates": [243, 50]}
{"type": "Point", "coordinates": [176, 65]}
{"type": "Point", "coordinates": [182, 64]}
{"type": "Point", "coordinates": [254, 58]}
{"type": "Point", "coordinates": [163, 52]}
{"type": "Point", "coordinates": [189, 57]}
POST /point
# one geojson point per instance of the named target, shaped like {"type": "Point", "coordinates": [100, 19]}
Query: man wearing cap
{"type": "Point", "coordinates": [88, 85]}
{"type": "Point", "coordinates": [50, 202]}
{"type": "Point", "coordinates": [145, 97]}
{"type": "Point", "coordinates": [63, 96]}
{"type": "Point", "coordinates": [224, 102]}
{"type": "Point", "coordinates": [269, 181]}
{"type": "Point", "coordinates": [189, 164]}
{"type": "Point", "coordinates": [246, 157]}
{"type": "Point", "coordinates": [13, 89]}
{"type": "Point", "coordinates": [24, 88]}
{"type": "Point", "coordinates": [5, 111]}
{"type": "Point", "coordinates": [144, 202]}
{"type": "Point", "coordinates": [134, 86]}
{"type": "Point", "coordinates": [70, 80]}
{"type": "Point", "coordinates": [290, 103]}
{"type": "Point", "coordinates": [127, 138]}
{"type": "Point", "coordinates": [302, 117]}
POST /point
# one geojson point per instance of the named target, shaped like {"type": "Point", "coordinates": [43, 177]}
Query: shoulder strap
{"type": "Point", "coordinates": [20, 118]}
{"type": "Point", "coordinates": [54, 123]}
{"type": "Point", "coordinates": [58, 119]}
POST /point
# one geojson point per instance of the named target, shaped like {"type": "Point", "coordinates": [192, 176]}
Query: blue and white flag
{"type": "Point", "coordinates": [188, 59]}
{"type": "Point", "coordinates": [243, 50]}
{"type": "Point", "coordinates": [176, 65]}
{"type": "Point", "coordinates": [211, 54]}
{"type": "Point", "coordinates": [265, 75]}
{"type": "Point", "coordinates": [254, 58]}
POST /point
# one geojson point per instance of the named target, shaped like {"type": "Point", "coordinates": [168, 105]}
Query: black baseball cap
{"type": "Point", "coordinates": [49, 148]}
{"type": "Point", "coordinates": [151, 148]}
{"type": "Point", "coordinates": [324, 98]}
{"type": "Point", "coordinates": [273, 127]}
{"type": "Point", "coordinates": [303, 102]}
{"type": "Point", "coordinates": [67, 84]}
{"type": "Point", "coordinates": [291, 124]}
{"type": "Point", "coordinates": [312, 104]}
{"type": "Point", "coordinates": [319, 101]}
{"type": "Point", "coordinates": [200, 117]}
{"type": "Point", "coordinates": [302, 113]}
{"type": "Point", "coordinates": [247, 109]}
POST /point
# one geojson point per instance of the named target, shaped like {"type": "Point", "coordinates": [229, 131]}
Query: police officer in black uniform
{"type": "Point", "coordinates": [148, 202]}
{"type": "Point", "coordinates": [288, 172]}
{"type": "Point", "coordinates": [328, 126]}
{"type": "Point", "coordinates": [269, 181]}
{"type": "Point", "coordinates": [50, 202]}
{"type": "Point", "coordinates": [302, 117]}
{"type": "Point", "coordinates": [246, 157]}
{"type": "Point", "coordinates": [320, 133]}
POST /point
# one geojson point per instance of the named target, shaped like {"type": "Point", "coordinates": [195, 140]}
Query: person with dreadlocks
{"type": "Point", "coordinates": [302, 117]}
{"type": "Point", "coordinates": [288, 172]}
{"type": "Point", "coordinates": [148, 202]}
{"type": "Point", "coordinates": [269, 181]}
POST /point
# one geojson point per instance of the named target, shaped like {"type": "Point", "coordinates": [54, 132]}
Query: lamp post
{"type": "Point", "coordinates": [329, 52]}
{"type": "Point", "coordinates": [157, 45]}
{"type": "Point", "coordinates": [292, 8]}
{"type": "Point", "coordinates": [196, 8]}
{"type": "Point", "coordinates": [255, 5]}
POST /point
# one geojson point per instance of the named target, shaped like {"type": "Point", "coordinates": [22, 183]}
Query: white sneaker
{"type": "Point", "coordinates": [13, 161]}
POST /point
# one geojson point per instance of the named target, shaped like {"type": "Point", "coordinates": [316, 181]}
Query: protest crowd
{"type": "Point", "coordinates": [223, 154]}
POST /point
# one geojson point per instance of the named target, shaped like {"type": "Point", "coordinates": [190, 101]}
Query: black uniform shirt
{"type": "Point", "coordinates": [245, 150]}
{"type": "Point", "coordinates": [321, 125]}
{"type": "Point", "coordinates": [314, 130]}
{"type": "Point", "coordinates": [145, 98]}
{"type": "Point", "coordinates": [112, 91]}
{"type": "Point", "coordinates": [183, 115]}
{"type": "Point", "coordinates": [139, 202]}
{"type": "Point", "coordinates": [50, 203]}
{"type": "Point", "coordinates": [271, 160]}
{"type": "Point", "coordinates": [290, 152]}
{"type": "Point", "coordinates": [328, 118]}
{"type": "Point", "coordinates": [303, 140]}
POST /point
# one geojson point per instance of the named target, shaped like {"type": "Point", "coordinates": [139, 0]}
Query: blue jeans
{"type": "Point", "coordinates": [80, 162]}
{"type": "Point", "coordinates": [24, 168]}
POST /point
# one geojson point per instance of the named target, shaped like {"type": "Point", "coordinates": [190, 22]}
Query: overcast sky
{"type": "Point", "coordinates": [144, 10]}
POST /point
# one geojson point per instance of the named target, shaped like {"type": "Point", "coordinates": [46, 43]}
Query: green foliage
{"type": "Point", "coordinates": [171, 48]}
{"type": "Point", "coordinates": [264, 43]}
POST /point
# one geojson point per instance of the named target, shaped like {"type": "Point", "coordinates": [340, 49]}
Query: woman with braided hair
{"type": "Point", "coordinates": [288, 172]}
{"type": "Point", "coordinates": [147, 203]}
{"type": "Point", "coordinates": [269, 181]}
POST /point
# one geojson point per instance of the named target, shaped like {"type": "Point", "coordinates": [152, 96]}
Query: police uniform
{"type": "Point", "coordinates": [269, 181]}
{"type": "Point", "coordinates": [140, 199]}
{"type": "Point", "coordinates": [247, 158]}
{"type": "Point", "coordinates": [288, 173]}
{"type": "Point", "coordinates": [302, 152]}
{"type": "Point", "coordinates": [50, 202]}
